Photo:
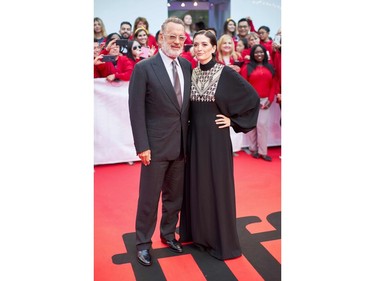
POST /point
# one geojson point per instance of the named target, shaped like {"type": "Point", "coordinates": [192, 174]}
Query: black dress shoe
{"type": "Point", "coordinates": [144, 257]}
{"type": "Point", "coordinates": [255, 154]}
{"type": "Point", "coordinates": [247, 150]}
{"type": "Point", "coordinates": [266, 157]}
{"type": "Point", "coordinates": [173, 245]}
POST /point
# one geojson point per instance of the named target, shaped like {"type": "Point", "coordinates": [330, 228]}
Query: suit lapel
{"type": "Point", "coordinates": [162, 74]}
{"type": "Point", "coordinates": [187, 83]}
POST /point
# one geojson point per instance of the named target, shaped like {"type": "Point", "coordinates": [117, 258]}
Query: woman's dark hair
{"type": "Point", "coordinates": [212, 29]}
{"type": "Point", "coordinates": [253, 63]}
{"type": "Point", "coordinates": [200, 25]}
{"type": "Point", "coordinates": [209, 35]}
{"type": "Point", "coordinates": [109, 37]}
{"type": "Point", "coordinates": [245, 43]}
{"type": "Point", "coordinates": [266, 28]}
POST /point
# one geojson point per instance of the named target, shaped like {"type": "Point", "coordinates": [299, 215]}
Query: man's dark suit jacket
{"type": "Point", "coordinates": [157, 121]}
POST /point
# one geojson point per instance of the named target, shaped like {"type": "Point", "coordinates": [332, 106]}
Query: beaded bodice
{"type": "Point", "coordinates": [204, 83]}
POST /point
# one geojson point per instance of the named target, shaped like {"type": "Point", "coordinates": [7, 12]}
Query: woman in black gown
{"type": "Point", "coordinates": [219, 98]}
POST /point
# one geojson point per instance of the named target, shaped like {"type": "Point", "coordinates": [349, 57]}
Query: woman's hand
{"type": "Point", "coordinates": [222, 121]}
{"type": "Point", "coordinates": [111, 77]}
{"type": "Point", "coordinates": [152, 51]}
{"type": "Point", "coordinates": [266, 105]}
{"type": "Point", "coordinates": [113, 41]}
{"type": "Point", "coordinates": [278, 97]}
{"type": "Point", "coordinates": [98, 61]}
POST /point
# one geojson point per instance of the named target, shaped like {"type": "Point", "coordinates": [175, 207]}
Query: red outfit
{"type": "Point", "coordinates": [251, 25]}
{"type": "Point", "coordinates": [269, 48]}
{"type": "Point", "coordinates": [231, 60]}
{"type": "Point", "coordinates": [152, 41]}
{"type": "Point", "coordinates": [96, 72]}
{"type": "Point", "coordinates": [246, 52]}
{"type": "Point", "coordinates": [261, 79]}
{"type": "Point", "coordinates": [188, 39]}
{"type": "Point", "coordinates": [277, 66]}
{"type": "Point", "coordinates": [188, 56]}
{"type": "Point", "coordinates": [123, 69]}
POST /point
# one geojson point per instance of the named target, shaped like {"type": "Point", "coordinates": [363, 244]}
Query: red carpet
{"type": "Point", "coordinates": [258, 195]}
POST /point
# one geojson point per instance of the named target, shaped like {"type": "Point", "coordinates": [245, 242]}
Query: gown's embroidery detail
{"type": "Point", "coordinates": [204, 83]}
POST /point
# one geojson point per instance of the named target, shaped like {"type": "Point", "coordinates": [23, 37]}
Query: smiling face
{"type": "Point", "coordinates": [226, 46]}
{"type": "Point", "coordinates": [173, 38]}
{"type": "Point", "coordinates": [252, 40]}
{"type": "Point", "coordinates": [243, 28]}
{"type": "Point", "coordinates": [142, 37]}
{"type": "Point", "coordinates": [263, 34]}
{"type": "Point", "coordinates": [203, 48]}
{"type": "Point", "coordinates": [125, 30]}
{"type": "Point", "coordinates": [231, 26]}
{"type": "Point", "coordinates": [259, 54]}
{"type": "Point", "coordinates": [114, 50]}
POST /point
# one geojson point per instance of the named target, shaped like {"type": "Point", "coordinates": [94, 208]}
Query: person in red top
{"type": "Point", "coordinates": [260, 74]}
{"type": "Point", "coordinates": [109, 41]}
{"type": "Point", "coordinates": [226, 53]}
{"type": "Point", "coordinates": [142, 22]}
{"type": "Point", "coordinates": [244, 26]}
{"type": "Point", "coordinates": [133, 55]}
{"type": "Point", "coordinates": [97, 57]}
{"type": "Point", "coordinates": [141, 35]}
{"type": "Point", "coordinates": [189, 31]}
{"type": "Point", "coordinates": [242, 47]}
{"type": "Point", "coordinates": [266, 41]}
{"type": "Point", "coordinates": [116, 70]}
{"type": "Point", "coordinates": [189, 55]}
{"type": "Point", "coordinates": [230, 28]}
{"type": "Point", "coordinates": [276, 45]}
{"type": "Point", "coordinates": [252, 39]}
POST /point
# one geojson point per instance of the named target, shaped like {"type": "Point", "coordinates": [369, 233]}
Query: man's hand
{"type": "Point", "coordinates": [145, 157]}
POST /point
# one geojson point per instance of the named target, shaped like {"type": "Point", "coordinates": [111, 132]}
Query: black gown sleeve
{"type": "Point", "coordinates": [238, 100]}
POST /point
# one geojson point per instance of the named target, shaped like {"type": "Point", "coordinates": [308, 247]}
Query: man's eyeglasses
{"type": "Point", "coordinates": [172, 37]}
{"type": "Point", "coordinates": [242, 26]}
{"type": "Point", "coordinates": [137, 47]}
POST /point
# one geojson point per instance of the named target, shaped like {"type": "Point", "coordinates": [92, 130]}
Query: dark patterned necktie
{"type": "Point", "coordinates": [177, 85]}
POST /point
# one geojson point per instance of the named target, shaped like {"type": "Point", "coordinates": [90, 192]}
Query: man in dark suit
{"type": "Point", "coordinates": [159, 108]}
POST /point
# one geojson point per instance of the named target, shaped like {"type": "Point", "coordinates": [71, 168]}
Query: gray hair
{"type": "Point", "coordinates": [172, 19]}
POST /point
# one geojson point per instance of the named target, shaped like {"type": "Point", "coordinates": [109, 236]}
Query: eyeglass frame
{"type": "Point", "coordinates": [179, 37]}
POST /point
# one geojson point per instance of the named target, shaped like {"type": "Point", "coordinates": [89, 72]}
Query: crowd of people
{"type": "Point", "coordinates": [116, 54]}
{"type": "Point", "coordinates": [187, 88]}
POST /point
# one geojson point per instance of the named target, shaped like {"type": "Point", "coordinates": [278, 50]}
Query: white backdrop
{"type": "Point", "coordinates": [113, 137]}
{"type": "Point", "coordinates": [262, 12]}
